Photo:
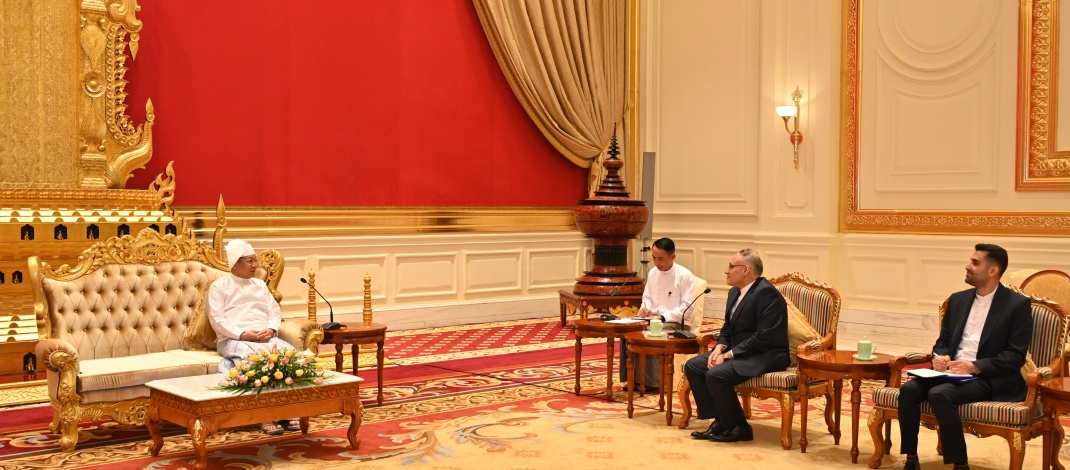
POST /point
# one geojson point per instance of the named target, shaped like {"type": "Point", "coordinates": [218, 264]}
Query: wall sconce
{"type": "Point", "coordinates": [792, 111]}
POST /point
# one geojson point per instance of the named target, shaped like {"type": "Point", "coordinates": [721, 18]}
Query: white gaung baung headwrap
{"type": "Point", "coordinates": [237, 249]}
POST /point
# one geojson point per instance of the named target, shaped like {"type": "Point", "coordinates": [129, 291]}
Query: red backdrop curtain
{"type": "Point", "coordinates": [337, 103]}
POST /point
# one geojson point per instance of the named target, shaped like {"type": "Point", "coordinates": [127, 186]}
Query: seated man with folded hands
{"type": "Point", "coordinates": [245, 317]}
{"type": "Point", "coordinates": [753, 341]}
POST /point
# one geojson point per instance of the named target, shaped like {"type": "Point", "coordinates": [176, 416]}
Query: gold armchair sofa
{"type": "Point", "coordinates": [132, 310]}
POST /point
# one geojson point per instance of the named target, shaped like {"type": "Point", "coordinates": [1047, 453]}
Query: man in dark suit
{"type": "Point", "coordinates": [985, 332]}
{"type": "Point", "coordinates": [754, 340]}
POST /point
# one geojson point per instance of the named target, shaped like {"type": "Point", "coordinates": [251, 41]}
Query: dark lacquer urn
{"type": "Point", "coordinates": [610, 219]}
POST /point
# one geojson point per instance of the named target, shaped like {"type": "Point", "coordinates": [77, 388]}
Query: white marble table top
{"type": "Point", "coordinates": [199, 387]}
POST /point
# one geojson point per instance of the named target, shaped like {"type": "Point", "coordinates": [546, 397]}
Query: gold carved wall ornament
{"type": "Point", "coordinates": [111, 145]}
{"type": "Point", "coordinates": [1012, 222]}
{"type": "Point", "coordinates": [1041, 164]}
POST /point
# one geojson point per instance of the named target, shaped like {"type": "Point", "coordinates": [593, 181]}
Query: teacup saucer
{"type": "Point", "coordinates": [655, 335]}
{"type": "Point", "coordinates": [870, 358]}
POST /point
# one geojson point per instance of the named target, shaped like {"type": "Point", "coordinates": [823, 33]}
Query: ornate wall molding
{"type": "Point", "coordinates": [1040, 165]}
{"type": "Point", "coordinates": [301, 221]}
{"type": "Point", "coordinates": [856, 219]}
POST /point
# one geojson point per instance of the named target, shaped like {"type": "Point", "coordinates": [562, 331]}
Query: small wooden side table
{"type": "Point", "coordinates": [591, 328]}
{"type": "Point", "coordinates": [581, 304]}
{"type": "Point", "coordinates": [356, 334]}
{"type": "Point", "coordinates": [666, 347]}
{"type": "Point", "coordinates": [838, 366]}
{"type": "Point", "coordinates": [1055, 395]}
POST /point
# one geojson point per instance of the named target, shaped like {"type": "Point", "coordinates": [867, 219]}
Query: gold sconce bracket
{"type": "Point", "coordinates": [792, 112]}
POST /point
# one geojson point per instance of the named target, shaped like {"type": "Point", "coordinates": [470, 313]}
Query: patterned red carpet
{"type": "Point", "coordinates": [482, 396]}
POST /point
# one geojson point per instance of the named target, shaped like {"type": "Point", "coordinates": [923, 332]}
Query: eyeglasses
{"type": "Point", "coordinates": [248, 259]}
{"type": "Point", "coordinates": [733, 266]}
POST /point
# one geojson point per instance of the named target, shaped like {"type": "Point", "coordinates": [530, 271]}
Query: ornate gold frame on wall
{"type": "Point", "coordinates": [1040, 166]}
{"type": "Point", "coordinates": [855, 219]}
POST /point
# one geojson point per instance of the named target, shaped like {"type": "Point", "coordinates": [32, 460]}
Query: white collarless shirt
{"type": "Point", "coordinates": [667, 293]}
{"type": "Point", "coordinates": [975, 324]}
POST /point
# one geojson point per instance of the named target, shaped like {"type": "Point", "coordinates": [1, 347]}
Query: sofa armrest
{"type": "Point", "coordinates": [61, 368]}
{"type": "Point", "coordinates": [301, 333]}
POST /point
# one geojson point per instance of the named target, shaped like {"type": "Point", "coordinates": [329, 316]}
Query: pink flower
{"type": "Point", "coordinates": [302, 361]}
{"type": "Point", "coordinates": [286, 360]}
{"type": "Point", "coordinates": [223, 383]}
{"type": "Point", "coordinates": [243, 379]}
{"type": "Point", "coordinates": [289, 381]}
{"type": "Point", "coordinates": [256, 384]}
{"type": "Point", "coordinates": [318, 381]}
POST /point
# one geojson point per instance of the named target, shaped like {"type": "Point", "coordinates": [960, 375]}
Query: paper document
{"type": "Point", "coordinates": [625, 321]}
{"type": "Point", "coordinates": [929, 374]}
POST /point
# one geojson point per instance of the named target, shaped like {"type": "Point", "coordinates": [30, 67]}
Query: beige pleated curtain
{"type": "Point", "coordinates": [564, 60]}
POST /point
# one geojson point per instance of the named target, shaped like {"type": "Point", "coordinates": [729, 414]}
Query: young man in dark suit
{"type": "Point", "coordinates": [754, 340]}
{"type": "Point", "coordinates": [985, 332]}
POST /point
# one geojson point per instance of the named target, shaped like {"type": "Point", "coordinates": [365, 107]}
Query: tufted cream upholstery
{"type": "Point", "coordinates": [117, 320]}
{"type": "Point", "coordinates": [127, 309]}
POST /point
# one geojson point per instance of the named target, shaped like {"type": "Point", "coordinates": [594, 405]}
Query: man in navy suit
{"type": "Point", "coordinates": [754, 340]}
{"type": "Point", "coordinates": [985, 332]}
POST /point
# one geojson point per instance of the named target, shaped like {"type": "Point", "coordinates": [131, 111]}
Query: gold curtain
{"type": "Point", "coordinates": [564, 60]}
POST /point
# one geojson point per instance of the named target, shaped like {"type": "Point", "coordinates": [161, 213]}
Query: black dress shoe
{"type": "Point", "coordinates": [912, 464]}
{"type": "Point", "coordinates": [715, 428]}
{"type": "Point", "coordinates": [736, 434]}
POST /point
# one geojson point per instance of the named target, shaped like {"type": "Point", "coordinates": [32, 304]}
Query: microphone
{"type": "Point", "coordinates": [331, 325]}
{"type": "Point", "coordinates": [609, 316]}
{"type": "Point", "coordinates": [683, 333]}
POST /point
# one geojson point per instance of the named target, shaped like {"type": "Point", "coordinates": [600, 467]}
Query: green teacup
{"type": "Point", "coordinates": [655, 327]}
{"type": "Point", "coordinates": [866, 348]}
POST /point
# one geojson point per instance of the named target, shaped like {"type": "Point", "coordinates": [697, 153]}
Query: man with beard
{"type": "Point", "coordinates": [985, 332]}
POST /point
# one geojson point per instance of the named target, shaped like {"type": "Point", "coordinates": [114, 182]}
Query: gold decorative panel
{"type": "Point", "coordinates": [38, 94]}
{"type": "Point", "coordinates": [1041, 164]}
{"type": "Point", "coordinates": [853, 217]}
{"type": "Point", "coordinates": [63, 99]}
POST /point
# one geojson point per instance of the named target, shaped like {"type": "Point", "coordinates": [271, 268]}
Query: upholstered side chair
{"type": "Point", "coordinates": [820, 303]}
{"type": "Point", "coordinates": [1016, 422]}
{"type": "Point", "coordinates": [1055, 286]}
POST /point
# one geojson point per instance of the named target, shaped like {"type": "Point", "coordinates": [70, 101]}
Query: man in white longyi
{"type": "Point", "coordinates": [245, 317]}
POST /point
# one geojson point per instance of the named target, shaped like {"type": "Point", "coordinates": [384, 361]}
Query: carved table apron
{"type": "Point", "coordinates": [188, 401]}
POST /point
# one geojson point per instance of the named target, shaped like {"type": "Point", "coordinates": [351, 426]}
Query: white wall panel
{"type": "Point", "coordinates": [705, 60]}
{"type": "Point", "coordinates": [493, 271]}
{"type": "Point", "coordinates": [426, 275]}
{"type": "Point", "coordinates": [939, 277]}
{"type": "Point", "coordinates": [891, 271]}
{"type": "Point", "coordinates": [341, 277]}
{"type": "Point", "coordinates": [551, 269]}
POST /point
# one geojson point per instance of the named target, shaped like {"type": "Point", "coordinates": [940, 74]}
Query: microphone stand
{"type": "Point", "coordinates": [682, 333]}
{"type": "Point", "coordinates": [331, 325]}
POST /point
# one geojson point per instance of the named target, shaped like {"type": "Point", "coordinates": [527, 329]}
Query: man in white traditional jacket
{"type": "Point", "coordinates": [667, 292]}
{"type": "Point", "coordinates": [245, 316]}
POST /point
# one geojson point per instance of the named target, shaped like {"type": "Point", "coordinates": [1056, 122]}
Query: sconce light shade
{"type": "Point", "coordinates": [785, 111]}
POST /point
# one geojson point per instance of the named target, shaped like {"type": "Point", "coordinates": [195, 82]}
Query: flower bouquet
{"type": "Point", "coordinates": [264, 369]}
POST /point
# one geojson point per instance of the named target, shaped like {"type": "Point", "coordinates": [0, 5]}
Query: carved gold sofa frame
{"type": "Point", "coordinates": [119, 318]}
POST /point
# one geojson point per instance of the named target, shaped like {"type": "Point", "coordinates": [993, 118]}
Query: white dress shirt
{"type": "Point", "coordinates": [975, 324]}
{"type": "Point", "coordinates": [667, 293]}
{"type": "Point", "coordinates": [742, 293]}
{"type": "Point", "coordinates": [236, 305]}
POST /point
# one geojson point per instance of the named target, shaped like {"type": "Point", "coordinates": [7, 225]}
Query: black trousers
{"type": "Point", "coordinates": [714, 390]}
{"type": "Point", "coordinates": [944, 398]}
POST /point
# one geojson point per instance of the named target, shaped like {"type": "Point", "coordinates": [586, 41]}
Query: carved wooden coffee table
{"type": "Point", "coordinates": [188, 401]}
